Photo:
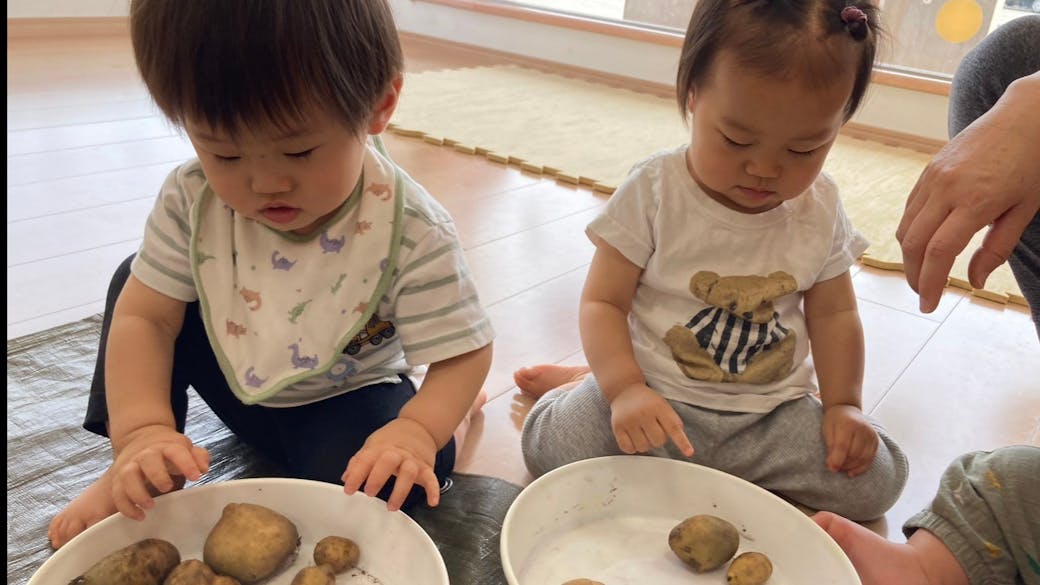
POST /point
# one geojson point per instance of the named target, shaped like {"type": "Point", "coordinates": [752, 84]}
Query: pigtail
{"type": "Point", "coordinates": [855, 22]}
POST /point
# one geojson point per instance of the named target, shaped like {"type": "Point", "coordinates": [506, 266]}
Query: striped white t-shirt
{"type": "Point", "coordinates": [430, 312]}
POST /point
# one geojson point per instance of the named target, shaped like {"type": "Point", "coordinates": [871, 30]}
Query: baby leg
{"type": "Point", "coordinates": [924, 560]}
{"type": "Point", "coordinates": [565, 426]}
{"type": "Point", "coordinates": [537, 380]}
{"type": "Point", "coordinates": [90, 507]}
{"type": "Point", "coordinates": [784, 452]}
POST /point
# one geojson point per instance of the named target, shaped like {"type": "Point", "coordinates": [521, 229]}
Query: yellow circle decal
{"type": "Point", "coordinates": [958, 20]}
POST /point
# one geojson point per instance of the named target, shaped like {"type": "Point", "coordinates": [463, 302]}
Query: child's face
{"type": "Point", "coordinates": [289, 181]}
{"type": "Point", "coordinates": [756, 141]}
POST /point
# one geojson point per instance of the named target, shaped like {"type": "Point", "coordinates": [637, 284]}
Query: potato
{"type": "Point", "coordinates": [146, 562]}
{"type": "Point", "coordinates": [250, 543]}
{"type": "Point", "coordinates": [582, 582]}
{"type": "Point", "coordinates": [337, 552]}
{"type": "Point", "coordinates": [196, 572]}
{"type": "Point", "coordinates": [704, 542]}
{"type": "Point", "coordinates": [750, 568]}
{"type": "Point", "coordinates": [320, 575]}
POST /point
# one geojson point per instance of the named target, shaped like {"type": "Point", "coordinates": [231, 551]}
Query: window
{"type": "Point", "coordinates": [925, 38]}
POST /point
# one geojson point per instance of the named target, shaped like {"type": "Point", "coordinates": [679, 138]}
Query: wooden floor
{"type": "Point", "coordinates": [87, 153]}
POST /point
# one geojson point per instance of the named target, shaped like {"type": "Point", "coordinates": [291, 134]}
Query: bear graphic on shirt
{"type": "Point", "coordinates": [738, 337]}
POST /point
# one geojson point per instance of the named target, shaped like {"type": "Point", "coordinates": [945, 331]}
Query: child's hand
{"type": "Point", "coordinates": [402, 448]}
{"type": "Point", "coordinates": [850, 438]}
{"type": "Point", "coordinates": [153, 461]}
{"type": "Point", "coordinates": [642, 419]}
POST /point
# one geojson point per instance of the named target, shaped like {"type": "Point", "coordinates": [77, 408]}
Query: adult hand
{"type": "Point", "coordinates": [850, 438]}
{"type": "Point", "coordinates": [403, 448]}
{"type": "Point", "coordinates": [154, 460]}
{"type": "Point", "coordinates": [642, 419]}
{"type": "Point", "coordinates": [989, 174]}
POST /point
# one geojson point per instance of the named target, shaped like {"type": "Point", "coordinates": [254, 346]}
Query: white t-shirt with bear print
{"type": "Point", "coordinates": [663, 222]}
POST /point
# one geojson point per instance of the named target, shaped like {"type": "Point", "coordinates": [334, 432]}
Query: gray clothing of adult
{"type": "Point", "coordinates": [987, 512]}
{"type": "Point", "coordinates": [1008, 53]}
{"type": "Point", "coordinates": [781, 450]}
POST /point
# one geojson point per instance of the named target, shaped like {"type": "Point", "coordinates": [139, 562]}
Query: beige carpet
{"type": "Point", "coordinates": [577, 131]}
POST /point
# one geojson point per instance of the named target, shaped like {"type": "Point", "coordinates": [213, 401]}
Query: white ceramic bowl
{"type": "Point", "coordinates": [608, 519]}
{"type": "Point", "coordinates": [394, 549]}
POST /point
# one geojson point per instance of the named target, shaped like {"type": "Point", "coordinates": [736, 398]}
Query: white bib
{"type": "Point", "coordinates": [278, 307]}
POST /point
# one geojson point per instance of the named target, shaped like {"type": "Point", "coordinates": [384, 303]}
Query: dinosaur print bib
{"type": "Point", "coordinates": [279, 307]}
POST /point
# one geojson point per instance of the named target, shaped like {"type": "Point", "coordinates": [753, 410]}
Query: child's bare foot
{"type": "Point", "coordinates": [924, 560]}
{"type": "Point", "coordinates": [537, 380]}
{"type": "Point", "coordinates": [92, 506]}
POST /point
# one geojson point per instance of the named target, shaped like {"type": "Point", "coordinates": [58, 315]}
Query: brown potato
{"type": "Point", "coordinates": [146, 562]}
{"type": "Point", "coordinates": [337, 552]}
{"type": "Point", "coordinates": [250, 543]}
{"type": "Point", "coordinates": [750, 568]}
{"type": "Point", "coordinates": [704, 542]}
{"type": "Point", "coordinates": [190, 572]}
{"type": "Point", "coordinates": [320, 575]}
{"type": "Point", "coordinates": [196, 572]}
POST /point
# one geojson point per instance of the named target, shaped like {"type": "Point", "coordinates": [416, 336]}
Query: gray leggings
{"type": "Point", "coordinates": [781, 451]}
{"type": "Point", "coordinates": [1008, 53]}
{"type": "Point", "coordinates": [987, 512]}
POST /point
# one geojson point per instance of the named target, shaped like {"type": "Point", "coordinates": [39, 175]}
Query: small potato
{"type": "Point", "coordinates": [250, 543]}
{"type": "Point", "coordinates": [704, 542]}
{"type": "Point", "coordinates": [196, 572]}
{"type": "Point", "coordinates": [750, 568]}
{"type": "Point", "coordinates": [337, 552]}
{"type": "Point", "coordinates": [582, 582]}
{"type": "Point", "coordinates": [191, 572]}
{"type": "Point", "coordinates": [146, 562]}
{"type": "Point", "coordinates": [320, 575]}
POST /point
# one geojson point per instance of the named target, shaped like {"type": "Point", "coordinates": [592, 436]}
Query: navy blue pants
{"type": "Point", "coordinates": [313, 441]}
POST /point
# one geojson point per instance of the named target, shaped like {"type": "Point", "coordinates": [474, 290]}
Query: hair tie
{"type": "Point", "coordinates": [855, 22]}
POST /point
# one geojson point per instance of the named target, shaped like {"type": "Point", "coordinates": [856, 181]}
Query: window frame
{"type": "Point", "coordinates": [881, 75]}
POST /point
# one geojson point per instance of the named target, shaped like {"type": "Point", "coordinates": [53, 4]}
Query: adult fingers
{"type": "Point", "coordinates": [999, 242]}
{"type": "Point", "coordinates": [943, 246]}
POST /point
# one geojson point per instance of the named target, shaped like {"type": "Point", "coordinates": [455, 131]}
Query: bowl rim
{"type": "Point", "coordinates": [526, 493]}
{"type": "Point", "coordinates": [426, 539]}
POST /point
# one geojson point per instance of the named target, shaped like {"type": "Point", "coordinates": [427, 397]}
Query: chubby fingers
{"type": "Point", "coordinates": [410, 473]}
{"type": "Point", "coordinates": [862, 448]}
{"type": "Point", "coordinates": [837, 449]}
{"type": "Point", "coordinates": [673, 426]}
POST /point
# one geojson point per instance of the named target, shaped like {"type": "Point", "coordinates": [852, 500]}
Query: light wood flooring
{"type": "Point", "coordinates": [87, 153]}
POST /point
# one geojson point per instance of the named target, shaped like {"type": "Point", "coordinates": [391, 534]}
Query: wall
{"type": "Point", "coordinates": [885, 107]}
{"type": "Point", "coordinates": [66, 8]}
